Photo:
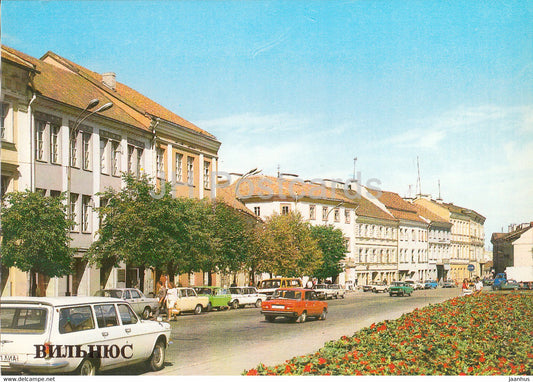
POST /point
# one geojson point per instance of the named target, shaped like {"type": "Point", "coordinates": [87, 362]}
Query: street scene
{"type": "Point", "coordinates": [266, 188]}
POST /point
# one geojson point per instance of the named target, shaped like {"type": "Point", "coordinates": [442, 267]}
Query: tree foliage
{"type": "Point", "coordinates": [286, 247]}
{"type": "Point", "coordinates": [35, 234]}
{"type": "Point", "coordinates": [331, 242]}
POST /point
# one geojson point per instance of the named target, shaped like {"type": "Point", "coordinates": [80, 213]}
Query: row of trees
{"type": "Point", "coordinates": [172, 235]}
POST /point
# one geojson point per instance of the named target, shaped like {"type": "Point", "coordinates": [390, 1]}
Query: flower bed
{"type": "Point", "coordinates": [491, 334]}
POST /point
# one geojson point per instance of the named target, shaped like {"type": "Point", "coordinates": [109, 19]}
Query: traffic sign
{"type": "Point", "coordinates": [471, 267]}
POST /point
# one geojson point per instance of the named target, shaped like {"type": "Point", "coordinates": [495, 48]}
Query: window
{"type": "Point", "coordinates": [347, 243]}
{"type": "Point", "coordinates": [160, 153]}
{"type": "Point", "coordinates": [312, 212]}
{"type": "Point", "coordinates": [75, 319]}
{"type": "Point", "coordinates": [54, 144]}
{"type": "Point", "coordinates": [127, 295]}
{"type": "Point", "coordinates": [126, 315]}
{"type": "Point", "coordinates": [86, 150]}
{"type": "Point", "coordinates": [347, 216]}
{"type": "Point", "coordinates": [336, 215]}
{"type": "Point", "coordinates": [324, 213]}
{"type": "Point", "coordinates": [139, 161]}
{"type": "Point", "coordinates": [41, 191]}
{"type": "Point", "coordinates": [85, 208]}
{"type": "Point", "coordinates": [285, 210]}
{"type": "Point", "coordinates": [257, 211]}
{"type": "Point", "coordinates": [72, 210]}
{"type": "Point", "coordinates": [23, 320]}
{"type": "Point", "coordinates": [103, 156]}
{"type": "Point", "coordinates": [135, 294]}
{"type": "Point", "coordinates": [55, 193]}
{"type": "Point", "coordinates": [131, 152]}
{"type": "Point", "coordinates": [207, 176]}
{"type": "Point", "coordinates": [5, 120]}
{"type": "Point", "coordinates": [39, 140]}
{"type": "Point", "coordinates": [115, 158]}
{"type": "Point", "coordinates": [179, 167]}
{"type": "Point", "coordinates": [190, 170]}
{"type": "Point", "coordinates": [106, 315]}
{"type": "Point", "coordinates": [73, 149]}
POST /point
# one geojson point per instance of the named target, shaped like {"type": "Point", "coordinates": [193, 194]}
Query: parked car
{"type": "Point", "coordinates": [189, 301]}
{"type": "Point", "coordinates": [400, 288]}
{"type": "Point", "coordinates": [368, 287]}
{"type": "Point", "coordinates": [242, 296]}
{"type": "Point", "coordinates": [414, 284]}
{"type": "Point", "coordinates": [323, 292]}
{"type": "Point", "coordinates": [431, 284]}
{"type": "Point", "coordinates": [487, 281]}
{"type": "Point", "coordinates": [219, 298]}
{"type": "Point", "coordinates": [340, 292]}
{"type": "Point", "coordinates": [51, 335]}
{"type": "Point", "coordinates": [509, 285]}
{"type": "Point", "coordinates": [296, 304]}
{"type": "Point", "coordinates": [526, 285]}
{"type": "Point", "coordinates": [142, 305]}
{"type": "Point", "coordinates": [380, 287]}
{"type": "Point", "coordinates": [269, 286]}
{"type": "Point", "coordinates": [448, 284]}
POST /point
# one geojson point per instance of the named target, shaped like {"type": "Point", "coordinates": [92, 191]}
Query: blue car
{"type": "Point", "coordinates": [431, 284]}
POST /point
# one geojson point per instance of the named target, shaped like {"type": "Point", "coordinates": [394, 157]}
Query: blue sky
{"type": "Point", "coordinates": [309, 85]}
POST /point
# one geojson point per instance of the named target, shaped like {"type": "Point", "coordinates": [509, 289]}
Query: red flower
{"type": "Point", "coordinates": [252, 372]}
{"type": "Point", "coordinates": [482, 358]}
{"type": "Point", "coordinates": [381, 328]}
{"type": "Point", "coordinates": [307, 368]}
{"type": "Point", "coordinates": [287, 369]}
{"type": "Point", "coordinates": [322, 361]}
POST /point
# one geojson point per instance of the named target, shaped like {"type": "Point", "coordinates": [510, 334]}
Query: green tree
{"type": "Point", "coordinates": [35, 235]}
{"type": "Point", "coordinates": [331, 242]}
{"type": "Point", "coordinates": [286, 247]}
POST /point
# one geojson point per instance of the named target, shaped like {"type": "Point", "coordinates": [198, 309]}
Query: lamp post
{"type": "Point", "coordinates": [252, 172]}
{"type": "Point", "coordinates": [337, 206]}
{"type": "Point", "coordinates": [72, 135]}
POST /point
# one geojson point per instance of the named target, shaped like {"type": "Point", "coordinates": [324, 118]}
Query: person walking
{"type": "Point", "coordinates": [172, 298]}
{"type": "Point", "coordinates": [161, 296]}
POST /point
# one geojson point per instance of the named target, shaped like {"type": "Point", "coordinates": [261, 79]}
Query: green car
{"type": "Point", "coordinates": [399, 288]}
{"type": "Point", "coordinates": [219, 298]}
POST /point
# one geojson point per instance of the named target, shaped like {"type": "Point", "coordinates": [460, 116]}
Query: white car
{"type": "Point", "coordinates": [415, 284]}
{"type": "Point", "coordinates": [189, 301]}
{"type": "Point", "coordinates": [338, 291]}
{"type": "Point", "coordinates": [241, 296]}
{"type": "Point", "coordinates": [323, 291]}
{"type": "Point", "coordinates": [52, 335]}
{"type": "Point", "coordinates": [142, 305]}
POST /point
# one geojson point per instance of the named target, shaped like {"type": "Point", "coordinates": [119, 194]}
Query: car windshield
{"type": "Point", "coordinates": [109, 293]}
{"type": "Point", "coordinates": [320, 286]}
{"type": "Point", "coordinates": [288, 294]}
{"type": "Point", "coordinates": [235, 290]}
{"type": "Point", "coordinates": [270, 284]}
{"type": "Point", "coordinates": [204, 290]}
{"type": "Point", "coordinates": [23, 320]}
{"type": "Point", "coordinates": [333, 286]}
{"type": "Point", "coordinates": [397, 283]}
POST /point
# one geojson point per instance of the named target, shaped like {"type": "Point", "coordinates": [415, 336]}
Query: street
{"type": "Point", "coordinates": [228, 342]}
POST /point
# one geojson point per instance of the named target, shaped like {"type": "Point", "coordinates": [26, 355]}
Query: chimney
{"type": "Point", "coordinates": [110, 80]}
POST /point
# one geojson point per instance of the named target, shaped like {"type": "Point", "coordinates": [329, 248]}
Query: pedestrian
{"type": "Point", "coordinates": [161, 296]}
{"type": "Point", "coordinates": [309, 284]}
{"type": "Point", "coordinates": [466, 290]}
{"type": "Point", "coordinates": [172, 298]}
{"type": "Point", "coordinates": [478, 287]}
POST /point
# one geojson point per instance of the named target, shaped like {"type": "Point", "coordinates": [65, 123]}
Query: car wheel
{"type": "Point", "coordinates": [146, 313]}
{"type": "Point", "coordinates": [209, 307]}
{"type": "Point", "coordinates": [302, 317]}
{"type": "Point", "coordinates": [342, 296]}
{"type": "Point", "coordinates": [235, 304]}
{"type": "Point", "coordinates": [87, 367]}
{"type": "Point", "coordinates": [401, 293]}
{"type": "Point", "coordinates": [258, 303]}
{"type": "Point", "coordinates": [270, 318]}
{"type": "Point", "coordinates": [323, 315]}
{"type": "Point", "coordinates": [198, 309]}
{"type": "Point", "coordinates": [157, 359]}
{"type": "Point", "coordinates": [391, 294]}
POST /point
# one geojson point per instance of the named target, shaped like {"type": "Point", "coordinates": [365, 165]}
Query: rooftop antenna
{"type": "Point", "coordinates": [418, 183]}
{"type": "Point", "coordinates": [439, 192]}
{"type": "Point", "coordinates": [354, 160]}
{"type": "Point", "coordinates": [278, 171]}
{"type": "Point", "coordinates": [410, 193]}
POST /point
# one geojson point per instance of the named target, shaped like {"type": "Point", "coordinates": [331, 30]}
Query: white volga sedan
{"type": "Point", "coordinates": [52, 335]}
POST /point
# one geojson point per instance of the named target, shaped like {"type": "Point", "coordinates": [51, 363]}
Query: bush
{"type": "Point", "coordinates": [491, 334]}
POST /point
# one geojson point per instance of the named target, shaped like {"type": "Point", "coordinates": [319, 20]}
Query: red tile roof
{"type": "Point", "coordinates": [397, 205]}
{"type": "Point", "coordinates": [227, 196]}
{"type": "Point", "coordinates": [424, 212]}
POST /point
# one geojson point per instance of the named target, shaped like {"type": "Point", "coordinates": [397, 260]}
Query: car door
{"type": "Point", "coordinates": [109, 331]}
{"type": "Point", "coordinates": [138, 302]}
{"type": "Point", "coordinates": [192, 299]}
{"type": "Point", "coordinates": [136, 339]}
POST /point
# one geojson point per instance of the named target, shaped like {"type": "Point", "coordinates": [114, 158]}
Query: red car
{"type": "Point", "coordinates": [294, 303]}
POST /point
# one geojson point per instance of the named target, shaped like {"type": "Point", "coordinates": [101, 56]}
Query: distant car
{"type": "Point", "coordinates": [431, 284]}
{"type": "Point", "coordinates": [70, 334]}
{"type": "Point", "coordinates": [400, 288]}
{"type": "Point", "coordinates": [368, 287]}
{"type": "Point", "coordinates": [488, 281]}
{"type": "Point", "coordinates": [380, 287]}
{"type": "Point", "coordinates": [340, 292]}
{"type": "Point", "coordinates": [448, 284]}
{"type": "Point", "coordinates": [296, 304]}
{"type": "Point", "coordinates": [509, 285]}
{"type": "Point", "coordinates": [219, 298]}
{"type": "Point", "coordinates": [323, 292]}
{"type": "Point", "coordinates": [414, 284]}
{"type": "Point", "coordinates": [269, 286]}
{"type": "Point", "coordinates": [526, 285]}
{"type": "Point", "coordinates": [242, 296]}
{"type": "Point", "coordinates": [189, 301]}
{"type": "Point", "coordinates": [142, 305]}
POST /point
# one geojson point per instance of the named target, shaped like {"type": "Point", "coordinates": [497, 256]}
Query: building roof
{"type": "Point", "coordinates": [397, 205]}
{"type": "Point", "coordinates": [427, 214]}
{"type": "Point", "coordinates": [464, 211]}
{"type": "Point", "coordinates": [511, 236]}
{"type": "Point", "coordinates": [64, 81]}
{"type": "Point", "coordinates": [226, 195]}
{"type": "Point", "coordinates": [20, 61]}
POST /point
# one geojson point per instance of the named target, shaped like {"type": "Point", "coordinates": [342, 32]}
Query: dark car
{"type": "Point", "coordinates": [400, 288]}
{"type": "Point", "coordinates": [509, 285]}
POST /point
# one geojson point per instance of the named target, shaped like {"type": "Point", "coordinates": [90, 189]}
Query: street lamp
{"type": "Point", "coordinates": [337, 206]}
{"type": "Point", "coordinates": [252, 172]}
{"type": "Point", "coordinates": [72, 135]}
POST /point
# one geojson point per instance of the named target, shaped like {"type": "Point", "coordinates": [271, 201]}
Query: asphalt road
{"type": "Point", "coordinates": [229, 342]}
